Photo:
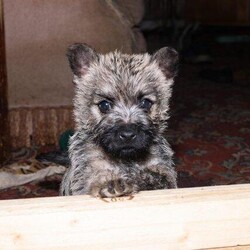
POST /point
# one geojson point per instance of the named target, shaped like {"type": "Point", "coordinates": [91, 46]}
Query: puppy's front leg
{"type": "Point", "coordinates": [159, 176]}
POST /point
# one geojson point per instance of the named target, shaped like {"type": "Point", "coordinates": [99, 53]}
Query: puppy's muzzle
{"type": "Point", "coordinates": [126, 141]}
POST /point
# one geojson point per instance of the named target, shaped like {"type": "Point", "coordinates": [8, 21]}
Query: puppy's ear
{"type": "Point", "coordinates": [80, 56]}
{"type": "Point", "coordinates": [168, 60]}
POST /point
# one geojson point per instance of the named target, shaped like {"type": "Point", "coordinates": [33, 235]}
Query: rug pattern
{"type": "Point", "coordinates": [210, 132]}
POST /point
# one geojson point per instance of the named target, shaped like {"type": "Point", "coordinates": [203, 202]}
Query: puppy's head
{"type": "Point", "coordinates": [122, 100]}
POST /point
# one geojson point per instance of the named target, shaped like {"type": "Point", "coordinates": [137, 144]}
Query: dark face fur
{"type": "Point", "coordinates": [127, 141]}
{"type": "Point", "coordinates": [121, 100]}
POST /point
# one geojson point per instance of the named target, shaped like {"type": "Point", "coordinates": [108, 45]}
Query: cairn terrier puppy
{"type": "Point", "coordinates": [121, 110]}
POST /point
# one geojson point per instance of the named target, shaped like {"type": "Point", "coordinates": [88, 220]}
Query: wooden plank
{"type": "Point", "coordinates": [4, 123]}
{"type": "Point", "coordinates": [192, 218]}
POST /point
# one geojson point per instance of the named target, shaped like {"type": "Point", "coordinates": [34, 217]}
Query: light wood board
{"type": "Point", "coordinates": [191, 218]}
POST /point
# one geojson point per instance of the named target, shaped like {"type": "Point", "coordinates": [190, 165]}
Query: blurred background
{"type": "Point", "coordinates": [209, 128]}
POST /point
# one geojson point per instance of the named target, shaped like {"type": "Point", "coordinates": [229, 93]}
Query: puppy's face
{"type": "Point", "coordinates": [122, 100]}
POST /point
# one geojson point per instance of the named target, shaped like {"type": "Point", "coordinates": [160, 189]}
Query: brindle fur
{"type": "Point", "coordinates": [125, 80]}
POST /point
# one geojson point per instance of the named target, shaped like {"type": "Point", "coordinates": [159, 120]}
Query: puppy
{"type": "Point", "coordinates": [121, 110]}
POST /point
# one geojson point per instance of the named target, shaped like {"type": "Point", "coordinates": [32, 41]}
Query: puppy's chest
{"type": "Point", "coordinates": [113, 166]}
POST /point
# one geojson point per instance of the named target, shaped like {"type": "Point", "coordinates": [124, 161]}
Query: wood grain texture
{"type": "Point", "coordinates": [193, 218]}
{"type": "Point", "coordinates": [4, 124]}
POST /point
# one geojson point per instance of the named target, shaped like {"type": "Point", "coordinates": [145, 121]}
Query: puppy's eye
{"type": "Point", "coordinates": [146, 104]}
{"type": "Point", "coordinates": [104, 106]}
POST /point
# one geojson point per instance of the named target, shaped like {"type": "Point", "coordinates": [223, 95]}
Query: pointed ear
{"type": "Point", "coordinates": [80, 56]}
{"type": "Point", "coordinates": [168, 60]}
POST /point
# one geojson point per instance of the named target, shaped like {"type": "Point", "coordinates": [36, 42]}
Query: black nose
{"type": "Point", "coordinates": [127, 135]}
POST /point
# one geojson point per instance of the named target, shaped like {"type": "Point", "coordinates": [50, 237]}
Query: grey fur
{"type": "Point", "coordinates": [124, 81]}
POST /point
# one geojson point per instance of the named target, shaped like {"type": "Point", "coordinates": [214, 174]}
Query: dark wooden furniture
{"type": "Point", "coordinates": [4, 123]}
{"type": "Point", "coordinates": [218, 12]}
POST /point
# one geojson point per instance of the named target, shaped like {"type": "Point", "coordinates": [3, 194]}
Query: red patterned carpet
{"type": "Point", "coordinates": [209, 127]}
{"type": "Point", "coordinates": [210, 131]}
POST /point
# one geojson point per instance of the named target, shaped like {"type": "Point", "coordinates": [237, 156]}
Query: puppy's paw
{"type": "Point", "coordinates": [115, 188]}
